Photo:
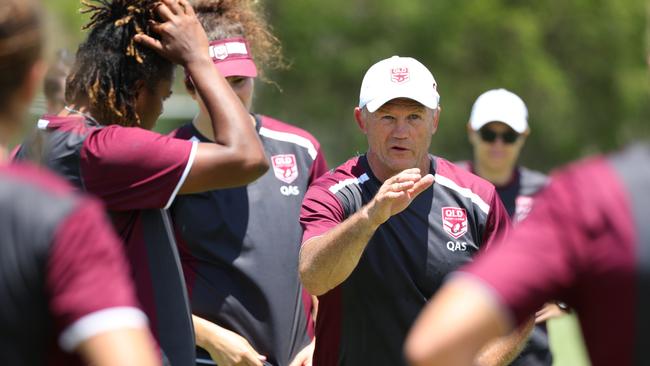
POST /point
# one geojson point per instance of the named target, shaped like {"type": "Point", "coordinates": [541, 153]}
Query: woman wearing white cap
{"type": "Point", "coordinates": [240, 246]}
{"type": "Point", "coordinates": [497, 129]}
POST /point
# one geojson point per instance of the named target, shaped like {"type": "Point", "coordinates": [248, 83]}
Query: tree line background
{"type": "Point", "coordinates": [580, 65]}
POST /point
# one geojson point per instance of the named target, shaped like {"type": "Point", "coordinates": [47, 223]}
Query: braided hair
{"type": "Point", "coordinates": [110, 65]}
{"type": "Point", "coordinates": [21, 43]}
{"type": "Point", "coordinates": [222, 19]}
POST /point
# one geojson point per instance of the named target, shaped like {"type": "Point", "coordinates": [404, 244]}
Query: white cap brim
{"type": "Point", "coordinates": [519, 125]}
{"type": "Point", "coordinates": [428, 99]}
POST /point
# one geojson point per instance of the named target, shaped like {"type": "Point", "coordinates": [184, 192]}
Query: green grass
{"type": "Point", "coordinates": [566, 342]}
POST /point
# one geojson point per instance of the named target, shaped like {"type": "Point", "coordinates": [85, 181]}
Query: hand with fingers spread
{"type": "Point", "coordinates": [182, 38]}
{"type": "Point", "coordinates": [396, 194]}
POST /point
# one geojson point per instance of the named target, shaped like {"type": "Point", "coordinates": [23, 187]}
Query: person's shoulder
{"type": "Point", "coordinates": [283, 131]}
{"type": "Point", "coordinates": [531, 181]}
{"type": "Point", "coordinates": [71, 123]}
{"type": "Point", "coordinates": [598, 172]}
{"type": "Point", "coordinates": [458, 178]}
{"type": "Point", "coordinates": [464, 164]}
{"type": "Point", "coordinates": [33, 177]}
{"type": "Point", "coordinates": [184, 132]}
{"type": "Point", "coordinates": [350, 172]}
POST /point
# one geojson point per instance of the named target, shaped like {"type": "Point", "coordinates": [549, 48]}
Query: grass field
{"type": "Point", "coordinates": [566, 342]}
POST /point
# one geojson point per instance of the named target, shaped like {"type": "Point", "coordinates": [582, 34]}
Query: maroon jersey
{"type": "Point", "coordinates": [136, 173]}
{"type": "Point", "coordinates": [364, 320]}
{"type": "Point", "coordinates": [63, 275]}
{"type": "Point", "coordinates": [586, 242]}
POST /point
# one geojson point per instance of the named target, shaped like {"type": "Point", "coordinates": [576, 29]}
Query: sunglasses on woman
{"type": "Point", "coordinates": [489, 135]}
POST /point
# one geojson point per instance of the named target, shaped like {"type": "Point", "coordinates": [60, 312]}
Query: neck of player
{"type": "Point", "coordinates": [499, 177]}
{"type": "Point", "coordinates": [203, 124]}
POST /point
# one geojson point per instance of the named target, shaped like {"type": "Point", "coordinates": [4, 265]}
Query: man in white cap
{"type": "Point", "coordinates": [382, 230]}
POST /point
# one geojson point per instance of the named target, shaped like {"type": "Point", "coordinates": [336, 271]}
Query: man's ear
{"type": "Point", "coordinates": [436, 118]}
{"type": "Point", "coordinates": [471, 134]}
{"type": "Point", "coordinates": [359, 117]}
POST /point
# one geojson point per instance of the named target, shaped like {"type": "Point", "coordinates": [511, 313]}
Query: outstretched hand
{"type": "Point", "coordinates": [397, 193]}
{"type": "Point", "coordinates": [182, 38]}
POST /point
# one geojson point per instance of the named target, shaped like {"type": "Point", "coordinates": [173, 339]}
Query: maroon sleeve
{"type": "Point", "coordinates": [554, 246]}
{"type": "Point", "coordinates": [498, 224]}
{"type": "Point", "coordinates": [132, 168]}
{"type": "Point", "coordinates": [87, 270]}
{"type": "Point", "coordinates": [319, 167]}
{"type": "Point", "coordinates": [320, 212]}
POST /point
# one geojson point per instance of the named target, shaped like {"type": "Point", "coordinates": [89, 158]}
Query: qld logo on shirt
{"type": "Point", "coordinates": [399, 75]}
{"type": "Point", "coordinates": [454, 221]}
{"type": "Point", "coordinates": [285, 167]}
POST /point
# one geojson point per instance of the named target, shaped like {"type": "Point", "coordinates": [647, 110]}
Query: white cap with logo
{"type": "Point", "coordinates": [398, 77]}
{"type": "Point", "coordinates": [499, 105]}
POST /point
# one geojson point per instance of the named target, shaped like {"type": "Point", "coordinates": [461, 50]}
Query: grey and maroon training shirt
{"type": "Point", "coordinates": [240, 246]}
{"type": "Point", "coordinates": [365, 320]}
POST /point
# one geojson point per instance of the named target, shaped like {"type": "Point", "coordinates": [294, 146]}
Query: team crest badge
{"type": "Point", "coordinates": [523, 205]}
{"type": "Point", "coordinates": [399, 75]}
{"type": "Point", "coordinates": [284, 167]}
{"type": "Point", "coordinates": [454, 221]}
{"type": "Point", "coordinates": [219, 52]}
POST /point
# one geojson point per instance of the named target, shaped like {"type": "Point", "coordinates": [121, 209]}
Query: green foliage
{"type": "Point", "coordinates": [578, 64]}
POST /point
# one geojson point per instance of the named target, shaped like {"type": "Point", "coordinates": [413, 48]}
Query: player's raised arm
{"type": "Point", "coordinates": [237, 157]}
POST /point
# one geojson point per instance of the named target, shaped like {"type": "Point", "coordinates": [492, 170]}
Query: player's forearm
{"type": "Point", "coordinates": [327, 260]}
{"type": "Point", "coordinates": [202, 331]}
{"type": "Point", "coordinates": [505, 349]}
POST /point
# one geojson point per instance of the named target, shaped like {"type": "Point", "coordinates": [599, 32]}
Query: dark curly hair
{"type": "Point", "coordinates": [110, 64]}
{"type": "Point", "coordinates": [223, 19]}
{"type": "Point", "coordinates": [21, 43]}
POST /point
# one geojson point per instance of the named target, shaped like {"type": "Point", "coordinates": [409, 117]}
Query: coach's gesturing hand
{"type": "Point", "coordinates": [396, 194]}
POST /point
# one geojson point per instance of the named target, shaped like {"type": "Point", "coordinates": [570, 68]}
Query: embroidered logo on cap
{"type": "Point", "coordinates": [284, 167]}
{"type": "Point", "coordinates": [221, 51]}
{"type": "Point", "coordinates": [454, 221]}
{"type": "Point", "coordinates": [399, 75]}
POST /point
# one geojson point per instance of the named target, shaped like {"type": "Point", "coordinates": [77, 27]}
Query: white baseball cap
{"type": "Point", "coordinates": [499, 105]}
{"type": "Point", "coordinates": [398, 77]}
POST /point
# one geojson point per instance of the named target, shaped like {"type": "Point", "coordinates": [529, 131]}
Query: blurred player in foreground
{"type": "Point", "coordinates": [586, 242]}
{"type": "Point", "coordinates": [65, 294]}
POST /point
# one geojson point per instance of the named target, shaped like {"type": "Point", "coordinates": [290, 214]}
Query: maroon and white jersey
{"type": "Point", "coordinates": [240, 246]}
{"type": "Point", "coordinates": [586, 242]}
{"type": "Point", "coordinates": [364, 320]}
{"type": "Point", "coordinates": [63, 275]}
{"type": "Point", "coordinates": [136, 173]}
